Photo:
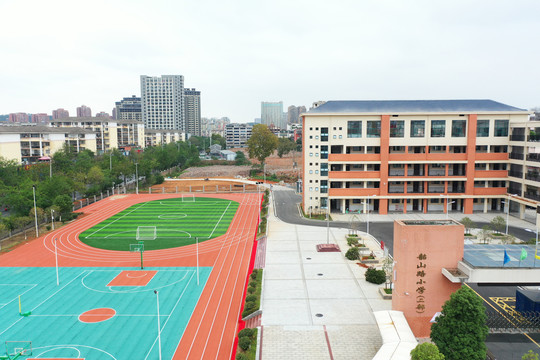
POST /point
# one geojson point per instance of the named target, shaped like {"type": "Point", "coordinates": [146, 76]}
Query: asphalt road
{"type": "Point", "coordinates": [286, 209]}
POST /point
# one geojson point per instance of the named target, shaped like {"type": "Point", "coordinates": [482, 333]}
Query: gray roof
{"type": "Point", "coordinates": [412, 106]}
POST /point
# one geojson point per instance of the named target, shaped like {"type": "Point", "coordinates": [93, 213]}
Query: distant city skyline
{"type": "Point", "coordinates": [309, 51]}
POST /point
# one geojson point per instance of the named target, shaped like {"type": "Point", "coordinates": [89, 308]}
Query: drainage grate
{"type": "Point", "coordinates": [319, 274]}
{"type": "Point", "coordinates": [308, 258]}
{"type": "Point", "coordinates": [319, 315]}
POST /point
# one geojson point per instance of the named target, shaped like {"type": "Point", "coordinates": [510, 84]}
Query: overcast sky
{"type": "Point", "coordinates": [238, 53]}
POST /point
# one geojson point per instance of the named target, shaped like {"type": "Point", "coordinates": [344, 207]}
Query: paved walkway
{"type": "Point", "coordinates": [316, 304]}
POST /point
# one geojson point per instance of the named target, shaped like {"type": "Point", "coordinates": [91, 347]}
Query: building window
{"type": "Point", "coordinates": [311, 171]}
{"type": "Point", "coordinates": [459, 128]}
{"type": "Point", "coordinates": [418, 128]}
{"type": "Point", "coordinates": [324, 169]}
{"type": "Point", "coordinates": [324, 151]}
{"type": "Point", "coordinates": [501, 127]}
{"type": "Point", "coordinates": [324, 134]}
{"type": "Point", "coordinates": [324, 186]}
{"type": "Point", "coordinates": [482, 128]}
{"type": "Point", "coordinates": [438, 128]}
{"type": "Point", "coordinates": [397, 128]}
{"type": "Point", "coordinates": [354, 129]}
{"type": "Point", "coordinates": [373, 129]}
{"type": "Point", "coordinates": [310, 154]}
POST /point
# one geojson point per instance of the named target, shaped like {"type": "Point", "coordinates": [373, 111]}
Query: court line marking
{"type": "Point", "coordinates": [115, 220]}
{"type": "Point", "coordinates": [147, 288]}
{"type": "Point", "coordinates": [115, 315]}
{"type": "Point", "coordinates": [3, 305]}
{"type": "Point", "coordinates": [172, 312]}
{"type": "Point", "coordinates": [66, 345]}
{"type": "Point", "coordinates": [57, 291]}
{"type": "Point", "coordinates": [63, 347]}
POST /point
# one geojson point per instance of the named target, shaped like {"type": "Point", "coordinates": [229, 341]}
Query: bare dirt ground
{"type": "Point", "coordinates": [289, 166]}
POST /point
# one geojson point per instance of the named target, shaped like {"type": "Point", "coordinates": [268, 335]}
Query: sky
{"type": "Point", "coordinates": [65, 53]}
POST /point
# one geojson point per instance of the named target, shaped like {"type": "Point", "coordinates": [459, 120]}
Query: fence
{"type": "Point", "coordinates": [525, 321]}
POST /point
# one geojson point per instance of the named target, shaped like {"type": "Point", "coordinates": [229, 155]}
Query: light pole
{"type": "Point", "coordinates": [367, 202]}
{"type": "Point", "coordinates": [508, 210]}
{"type": "Point", "coordinates": [264, 173]}
{"type": "Point", "coordinates": [137, 177]}
{"type": "Point", "coordinates": [327, 221]}
{"type": "Point", "coordinates": [158, 323]}
{"type": "Point", "coordinates": [52, 218]}
{"type": "Point", "coordinates": [110, 161]}
{"type": "Point", "coordinates": [448, 203]}
{"type": "Point", "coordinates": [50, 167]}
{"type": "Point", "coordinates": [35, 209]}
{"type": "Point", "coordinates": [56, 260]}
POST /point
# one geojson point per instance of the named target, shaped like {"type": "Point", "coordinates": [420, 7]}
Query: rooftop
{"type": "Point", "coordinates": [412, 106]}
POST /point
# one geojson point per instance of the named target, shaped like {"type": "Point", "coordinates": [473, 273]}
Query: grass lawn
{"type": "Point", "coordinates": [177, 223]}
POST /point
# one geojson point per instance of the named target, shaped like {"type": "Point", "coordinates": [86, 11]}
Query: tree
{"type": "Point", "coordinates": [460, 331]}
{"type": "Point", "coordinates": [262, 143]}
{"type": "Point", "coordinates": [468, 223]}
{"type": "Point", "coordinates": [241, 158]}
{"type": "Point", "coordinates": [485, 234]}
{"type": "Point", "coordinates": [498, 223]}
{"type": "Point", "coordinates": [218, 139]}
{"type": "Point", "coordinates": [64, 203]}
{"type": "Point", "coordinates": [530, 355]}
{"type": "Point", "coordinates": [426, 351]}
{"type": "Point", "coordinates": [285, 146]}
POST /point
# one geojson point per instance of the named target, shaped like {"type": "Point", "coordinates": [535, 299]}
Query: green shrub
{"type": "Point", "coordinates": [246, 332]}
{"type": "Point", "coordinates": [48, 227]}
{"type": "Point", "coordinates": [253, 275]}
{"type": "Point", "coordinates": [242, 356]}
{"type": "Point", "coordinates": [253, 284]}
{"type": "Point", "coordinates": [352, 253]}
{"type": "Point", "coordinates": [250, 305]}
{"type": "Point", "coordinates": [250, 289]}
{"type": "Point", "coordinates": [244, 343]}
{"type": "Point", "coordinates": [251, 298]}
{"type": "Point", "coordinates": [426, 351]}
{"type": "Point", "coordinates": [352, 241]}
{"type": "Point", "coordinates": [159, 179]}
{"type": "Point", "coordinates": [255, 271]}
{"type": "Point", "coordinates": [375, 276]}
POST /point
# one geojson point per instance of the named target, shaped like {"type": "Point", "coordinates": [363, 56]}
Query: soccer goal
{"type": "Point", "coordinates": [188, 198]}
{"type": "Point", "coordinates": [16, 349]}
{"type": "Point", "coordinates": [146, 233]}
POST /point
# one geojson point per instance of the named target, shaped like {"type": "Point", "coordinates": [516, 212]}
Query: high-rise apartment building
{"type": "Point", "coordinates": [293, 114]}
{"type": "Point", "coordinates": [162, 101]}
{"type": "Point", "coordinates": [18, 118]}
{"type": "Point", "coordinates": [60, 114]}
{"type": "Point", "coordinates": [272, 114]}
{"type": "Point", "coordinates": [39, 118]}
{"type": "Point", "coordinates": [84, 111]}
{"type": "Point", "coordinates": [237, 135]}
{"type": "Point", "coordinates": [129, 108]}
{"type": "Point", "coordinates": [418, 156]}
{"type": "Point", "coordinates": [192, 104]}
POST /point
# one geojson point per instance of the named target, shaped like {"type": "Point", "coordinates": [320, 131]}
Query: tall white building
{"type": "Point", "coordinates": [272, 114]}
{"type": "Point", "coordinates": [162, 100]}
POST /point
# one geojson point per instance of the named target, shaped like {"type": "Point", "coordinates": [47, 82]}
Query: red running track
{"type": "Point", "coordinates": [211, 331]}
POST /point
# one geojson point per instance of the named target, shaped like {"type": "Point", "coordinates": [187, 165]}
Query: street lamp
{"type": "Point", "coordinates": [327, 221]}
{"type": "Point", "coordinates": [447, 204]}
{"type": "Point", "coordinates": [35, 209]}
{"type": "Point", "coordinates": [536, 245]}
{"type": "Point", "coordinates": [158, 323]}
{"type": "Point", "coordinates": [52, 218]}
{"type": "Point", "coordinates": [137, 177]}
{"type": "Point", "coordinates": [50, 167]}
{"type": "Point", "coordinates": [367, 202]}
{"type": "Point", "coordinates": [508, 210]}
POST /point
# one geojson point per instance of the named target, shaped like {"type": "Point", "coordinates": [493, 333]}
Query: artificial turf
{"type": "Point", "coordinates": [177, 222]}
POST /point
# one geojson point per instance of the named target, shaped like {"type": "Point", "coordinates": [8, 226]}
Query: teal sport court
{"type": "Point", "coordinates": [97, 313]}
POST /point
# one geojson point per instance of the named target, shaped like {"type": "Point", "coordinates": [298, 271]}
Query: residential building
{"type": "Point", "coordinates": [110, 133]}
{"type": "Point", "coordinates": [103, 114]}
{"type": "Point", "coordinates": [418, 155]}
{"type": "Point", "coordinates": [214, 126]}
{"type": "Point", "coordinates": [60, 114]}
{"type": "Point", "coordinates": [162, 101]}
{"type": "Point", "coordinates": [39, 118]}
{"type": "Point", "coordinates": [84, 111]}
{"type": "Point", "coordinates": [26, 144]}
{"type": "Point", "coordinates": [272, 114]}
{"type": "Point", "coordinates": [155, 137]}
{"type": "Point", "coordinates": [192, 103]}
{"type": "Point", "coordinates": [18, 118]}
{"type": "Point", "coordinates": [237, 135]}
{"type": "Point", "coordinates": [129, 108]}
{"type": "Point", "coordinates": [227, 155]}
{"type": "Point", "coordinates": [293, 114]}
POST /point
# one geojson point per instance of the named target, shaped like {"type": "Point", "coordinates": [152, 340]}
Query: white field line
{"type": "Point", "coordinates": [172, 312]}
{"type": "Point", "coordinates": [15, 298]}
{"type": "Point", "coordinates": [57, 291]}
{"type": "Point", "coordinates": [116, 220]}
{"type": "Point", "coordinates": [225, 211]}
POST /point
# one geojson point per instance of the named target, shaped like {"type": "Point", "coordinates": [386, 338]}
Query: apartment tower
{"type": "Point", "coordinates": [192, 103]}
{"type": "Point", "coordinates": [162, 100]}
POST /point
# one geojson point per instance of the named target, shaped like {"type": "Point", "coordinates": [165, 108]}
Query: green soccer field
{"type": "Point", "coordinates": [177, 223]}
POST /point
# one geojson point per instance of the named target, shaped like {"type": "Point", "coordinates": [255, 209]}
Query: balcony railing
{"type": "Point", "coordinates": [533, 176]}
{"type": "Point", "coordinates": [533, 157]}
{"type": "Point", "coordinates": [436, 173]}
{"type": "Point", "coordinates": [517, 174]}
{"type": "Point", "coordinates": [456, 190]}
{"type": "Point", "coordinates": [516, 156]}
{"type": "Point", "coordinates": [533, 138]}
{"type": "Point", "coordinates": [532, 196]}
{"type": "Point", "coordinates": [517, 137]}
{"type": "Point", "coordinates": [396, 173]}
{"type": "Point", "coordinates": [395, 189]}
